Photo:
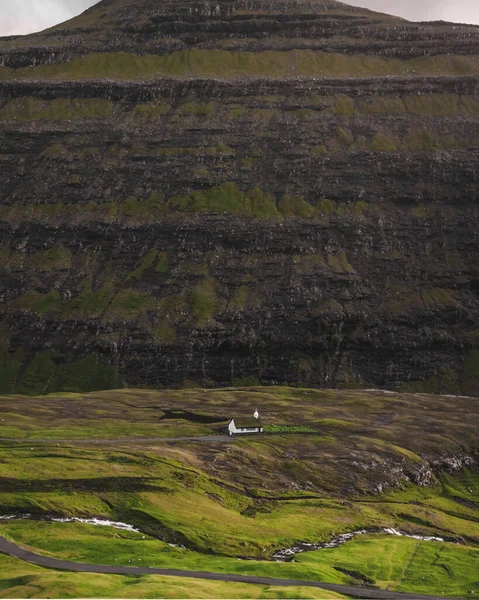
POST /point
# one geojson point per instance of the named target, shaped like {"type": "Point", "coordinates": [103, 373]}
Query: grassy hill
{"type": "Point", "coordinates": [375, 460]}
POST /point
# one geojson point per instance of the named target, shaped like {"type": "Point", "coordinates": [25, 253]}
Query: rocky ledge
{"type": "Point", "coordinates": [244, 192]}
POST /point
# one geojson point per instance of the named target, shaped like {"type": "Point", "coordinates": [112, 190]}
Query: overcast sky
{"type": "Point", "coordinates": [26, 16]}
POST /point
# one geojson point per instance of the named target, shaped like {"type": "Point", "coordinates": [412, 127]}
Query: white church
{"type": "Point", "coordinates": [241, 425]}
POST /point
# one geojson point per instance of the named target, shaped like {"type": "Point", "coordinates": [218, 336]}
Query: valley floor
{"type": "Point", "coordinates": [371, 460]}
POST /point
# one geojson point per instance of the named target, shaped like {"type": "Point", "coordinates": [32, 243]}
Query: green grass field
{"type": "Point", "coordinates": [22, 580]}
{"type": "Point", "coordinates": [245, 497]}
{"type": "Point", "coordinates": [398, 563]}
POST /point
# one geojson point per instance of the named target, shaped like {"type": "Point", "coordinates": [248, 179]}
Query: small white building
{"type": "Point", "coordinates": [240, 425]}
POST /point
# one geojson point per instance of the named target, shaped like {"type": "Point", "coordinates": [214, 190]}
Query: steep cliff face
{"type": "Point", "coordinates": [233, 192]}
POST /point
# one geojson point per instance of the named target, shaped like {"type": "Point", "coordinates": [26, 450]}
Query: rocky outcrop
{"type": "Point", "coordinates": [150, 27]}
{"type": "Point", "coordinates": [239, 193]}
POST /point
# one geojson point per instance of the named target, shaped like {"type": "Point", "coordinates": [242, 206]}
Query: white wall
{"type": "Point", "coordinates": [232, 429]}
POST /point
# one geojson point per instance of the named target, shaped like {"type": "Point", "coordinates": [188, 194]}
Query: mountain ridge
{"type": "Point", "coordinates": [208, 199]}
{"type": "Point", "coordinates": [162, 28]}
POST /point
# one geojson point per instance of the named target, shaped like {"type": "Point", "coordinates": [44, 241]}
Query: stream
{"type": "Point", "coordinates": [92, 521]}
{"type": "Point", "coordinates": [285, 555]}
{"type": "Point", "coordinates": [289, 553]}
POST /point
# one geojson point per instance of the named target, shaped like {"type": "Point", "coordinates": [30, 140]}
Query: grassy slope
{"type": "Point", "coordinates": [380, 417]}
{"type": "Point", "coordinates": [225, 64]}
{"type": "Point", "coordinates": [20, 580]}
{"type": "Point", "coordinates": [251, 496]}
{"type": "Point", "coordinates": [398, 563]}
{"type": "Point", "coordinates": [157, 493]}
{"type": "Point", "coordinates": [405, 564]}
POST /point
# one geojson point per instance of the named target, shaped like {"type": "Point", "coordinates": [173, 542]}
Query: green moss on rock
{"type": "Point", "coordinates": [27, 300]}
{"type": "Point", "coordinates": [419, 211]}
{"type": "Point", "coordinates": [418, 140]}
{"type": "Point", "coordinates": [261, 204]}
{"type": "Point", "coordinates": [12, 260]}
{"type": "Point", "coordinates": [444, 382]}
{"type": "Point", "coordinates": [471, 374]}
{"type": "Point", "coordinates": [291, 206]}
{"type": "Point", "coordinates": [90, 303]}
{"type": "Point", "coordinates": [248, 162]}
{"type": "Point", "coordinates": [162, 263]}
{"type": "Point", "coordinates": [360, 207]}
{"type": "Point", "coordinates": [224, 198]}
{"type": "Point", "coordinates": [438, 297]}
{"type": "Point", "coordinates": [41, 304]}
{"type": "Point", "coordinates": [37, 376]}
{"type": "Point", "coordinates": [432, 104]}
{"type": "Point", "coordinates": [250, 381]}
{"type": "Point", "coordinates": [165, 333]}
{"type": "Point", "coordinates": [204, 301]}
{"type": "Point", "coordinates": [61, 109]}
{"type": "Point", "coordinates": [129, 304]}
{"type": "Point", "coordinates": [383, 143]}
{"type": "Point", "coordinates": [144, 264]}
{"type": "Point", "coordinates": [49, 303]}
{"type": "Point", "coordinates": [225, 64]}
{"type": "Point", "coordinates": [204, 109]}
{"type": "Point", "coordinates": [220, 148]}
{"type": "Point", "coordinates": [239, 298]}
{"type": "Point", "coordinates": [319, 150]}
{"type": "Point", "coordinates": [339, 263]}
{"type": "Point", "coordinates": [326, 207]}
{"type": "Point", "coordinates": [227, 198]}
{"type": "Point", "coordinates": [382, 105]}
{"type": "Point", "coordinates": [469, 105]}
{"type": "Point", "coordinates": [449, 142]}
{"type": "Point", "coordinates": [42, 375]}
{"type": "Point", "coordinates": [308, 263]}
{"type": "Point", "coordinates": [236, 112]}
{"type": "Point", "coordinates": [345, 137]}
{"type": "Point", "coordinates": [150, 112]}
{"type": "Point", "coordinates": [85, 375]}
{"type": "Point", "coordinates": [152, 206]}
{"type": "Point", "coordinates": [304, 113]}
{"type": "Point", "coordinates": [401, 299]}
{"type": "Point", "coordinates": [10, 364]}
{"type": "Point", "coordinates": [56, 257]}
{"type": "Point", "coordinates": [343, 105]}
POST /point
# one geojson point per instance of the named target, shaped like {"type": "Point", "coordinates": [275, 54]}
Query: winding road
{"type": "Point", "coordinates": [15, 551]}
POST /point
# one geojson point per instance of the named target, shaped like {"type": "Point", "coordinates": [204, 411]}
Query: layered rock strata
{"type": "Point", "coordinates": [239, 192]}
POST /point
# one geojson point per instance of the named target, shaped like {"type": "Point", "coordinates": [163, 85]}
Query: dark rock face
{"type": "Point", "coordinates": [239, 192]}
{"type": "Point", "coordinates": [153, 27]}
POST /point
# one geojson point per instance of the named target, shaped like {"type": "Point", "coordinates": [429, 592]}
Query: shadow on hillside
{"type": "Point", "coordinates": [101, 484]}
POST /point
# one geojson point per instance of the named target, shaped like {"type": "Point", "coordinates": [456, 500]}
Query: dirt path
{"type": "Point", "coordinates": [15, 551]}
{"type": "Point", "coordinates": [126, 440]}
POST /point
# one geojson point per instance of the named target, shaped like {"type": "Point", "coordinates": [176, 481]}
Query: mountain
{"type": "Point", "coordinates": [242, 191]}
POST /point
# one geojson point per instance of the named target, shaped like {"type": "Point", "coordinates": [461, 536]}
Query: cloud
{"type": "Point", "coordinates": [462, 11]}
{"type": "Point", "coordinates": [467, 13]}
{"type": "Point", "coordinates": [27, 16]}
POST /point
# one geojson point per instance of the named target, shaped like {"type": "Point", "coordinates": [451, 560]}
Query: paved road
{"type": "Point", "coordinates": [128, 440]}
{"type": "Point", "coordinates": [12, 549]}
